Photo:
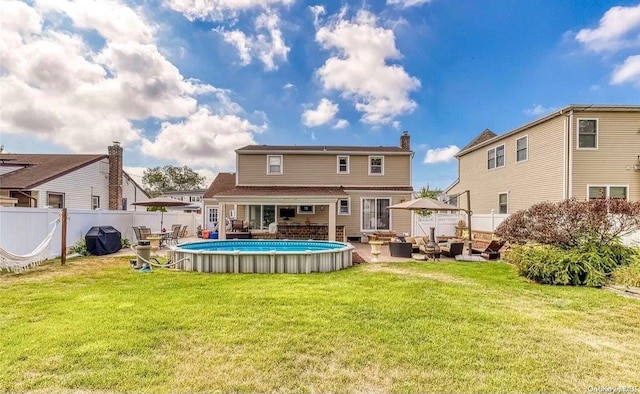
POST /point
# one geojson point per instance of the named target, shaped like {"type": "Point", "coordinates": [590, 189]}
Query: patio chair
{"type": "Point", "coordinates": [238, 225]}
{"type": "Point", "coordinates": [452, 249]}
{"type": "Point", "coordinates": [183, 232]}
{"type": "Point", "coordinates": [136, 231]}
{"type": "Point", "coordinates": [144, 232]}
{"type": "Point", "coordinates": [175, 234]}
{"type": "Point", "coordinates": [492, 251]}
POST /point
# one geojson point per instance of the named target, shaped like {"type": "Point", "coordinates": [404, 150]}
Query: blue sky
{"type": "Point", "coordinates": [186, 82]}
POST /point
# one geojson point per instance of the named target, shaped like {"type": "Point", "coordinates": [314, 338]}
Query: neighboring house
{"type": "Point", "coordinates": [581, 151]}
{"type": "Point", "coordinates": [343, 189]}
{"type": "Point", "coordinates": [69, 181]}
{"type": "Point", "coordinates": [194, 197]}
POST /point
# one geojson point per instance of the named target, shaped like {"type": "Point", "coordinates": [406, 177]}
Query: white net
{"type": "Point", "coordinates": [16, 263]}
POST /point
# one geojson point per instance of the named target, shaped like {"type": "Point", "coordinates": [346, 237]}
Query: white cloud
{"type": "Point", "coordinates": [289, 86]}
{"type": "Point", "coordinates": [54, 86]}
{"type": "Point", "coordinates": [341, 124]}
{"type": "Point", "coordinates": [359, 68]}
{"type": "Point", "coordinates": [219, 9]}
{"type": "Point", "coordinates": [538, 110]}
{"type": "Point", "coordinates": [111, 19]}
{"type": "Point", "coordinates": [203, 139]}
{"type": "Point", "coordinates": [629, 71]}
{"type": "Point", "coordinates": [267, 44]}
{"type": "Point", "coordinates": [441, 155]}
{"type": "Point", "coordinates": [618, 28]}
{"type": "Point", "coordinates": [324, 113]}
{"type": "Point", "coordinates": [407, 3]}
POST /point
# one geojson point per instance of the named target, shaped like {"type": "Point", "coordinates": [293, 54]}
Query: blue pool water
{"type": "Point", "coordinates": [262, 246]}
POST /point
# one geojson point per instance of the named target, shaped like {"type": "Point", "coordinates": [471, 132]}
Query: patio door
{"type": "Point", "coordinates": [375, 214]}
{"type": "Point", "coordinates": [212, 218]}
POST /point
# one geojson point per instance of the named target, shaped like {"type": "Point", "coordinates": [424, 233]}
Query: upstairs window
{"type": "Point", "coordinates": [376, 165]}
{"type": "Point", "coordinates": [495, 157]}
{"type": "Point", "coordinates": [343, 164]}
{"type": "Point", "coordinates": [274, 165]}
{"type": "Point", "coordinates": [522, 149]}
{"type": "Point", "coordinates": [587, 133]}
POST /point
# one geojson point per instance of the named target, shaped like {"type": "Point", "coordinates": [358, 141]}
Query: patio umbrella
{"type": "Point", "coordinates": [161, 202]}
{"type": "Point", "coordinates": [429, 204]}
{"type": "Point", "coordinates": [424, 203]}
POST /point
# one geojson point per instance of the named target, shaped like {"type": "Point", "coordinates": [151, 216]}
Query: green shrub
{"type": "Point", "coordinates": [628, 275]}
{"type": "Point", "coordinates": [584, 265]}
{"type": "Point", "coordinates": [124, 242]}
{"type": "Point", "coordinates": [80, 248]}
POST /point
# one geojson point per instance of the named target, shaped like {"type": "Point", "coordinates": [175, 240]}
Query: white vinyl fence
{"type": "Point", "coordinates": [445, 224]}
{"type": "Point", "coordinates": [22, 229]}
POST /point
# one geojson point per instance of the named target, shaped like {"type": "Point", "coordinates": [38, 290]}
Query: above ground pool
{"type": "Point", "coordinates": [263, 256]}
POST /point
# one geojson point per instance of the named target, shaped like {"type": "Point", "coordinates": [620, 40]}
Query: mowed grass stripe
{"type": "Point", "coordinates": [97, 325]}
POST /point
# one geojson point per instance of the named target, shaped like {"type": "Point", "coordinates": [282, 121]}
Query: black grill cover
{"type": "Point", "coordinates": [103, 240]}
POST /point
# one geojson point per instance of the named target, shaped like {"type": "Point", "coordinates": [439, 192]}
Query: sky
{"type": "Point", "coordinates": [186, 82]}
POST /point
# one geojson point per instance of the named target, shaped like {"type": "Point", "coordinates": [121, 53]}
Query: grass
{"type": "Point", "coordinates": [96, 325]}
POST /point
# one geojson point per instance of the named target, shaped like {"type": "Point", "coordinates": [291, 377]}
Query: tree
{"type": "Point", "coordinates": [428, 193]}
{"type": "Point", "coordinates": [158, 180]}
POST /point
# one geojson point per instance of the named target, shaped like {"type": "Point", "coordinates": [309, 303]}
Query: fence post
{"type": "Point", "coordinates": [63, 244]}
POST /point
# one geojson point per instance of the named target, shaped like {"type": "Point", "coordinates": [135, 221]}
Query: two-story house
{"type": "Point", "coordinates": [338, 192]}
{"type": "Point", "coordinates": [69, 181]}
{"type": "Point", "coordinates": [580, 151]}
{"type": "Point", "coordinates": [193, 197]}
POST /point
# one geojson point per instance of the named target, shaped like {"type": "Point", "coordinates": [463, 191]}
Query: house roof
{"type": "Point", "coordinates": [224, 181]}
{"type": "Point", "coordinates": [40, 168]}
{"type": "Point", "coordinates": [319, 149]}
{"type": "Point", "coordinates": [315, 191]}
{"type": "Point", "coordinates": [562, 112]}
{"type": "Point", "coordinates": [482, 137]}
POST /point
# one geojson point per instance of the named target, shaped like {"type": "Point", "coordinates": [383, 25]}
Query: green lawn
{"type": "Point", "coordinates": [96, 325]}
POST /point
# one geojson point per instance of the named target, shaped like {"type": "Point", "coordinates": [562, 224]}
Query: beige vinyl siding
{"type": "Point", "coordinates": [611, 163]}
{"type": "Point", "coordinates": [321, 169]}
{"type": "Point", "coordinates": [400, 218]}
{"type": "Point", "coordinates": [78, 186]}
{"type": "Point", "coordinates": [539, 178]}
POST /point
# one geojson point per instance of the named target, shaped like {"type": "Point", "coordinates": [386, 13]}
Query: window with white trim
{"type": "Point", "coordinates": [55, 200]}
{"type": "Point", "coordinates": [522, 149]}
{"type": "Point", "coordinates": [343, 207]}
{"type": "Point", "coordinates": [587, 133]}
{"type": "Point", "coordinates": [376, 165]}
{"type": "Point", "coordinates": [343, 164]}
{"type": "Point", "coordinates": [607, 191]}
{"type": "Point", "coordinates": [495, 157]}
{"type": "Point", "coordinates": [274, 165]}
{"type": "Point", "coordinates": [95, 202]}
{"type": "Point", "coordinates": [375, 214]}
{"type": "Point", "coordinates": [503, 203]}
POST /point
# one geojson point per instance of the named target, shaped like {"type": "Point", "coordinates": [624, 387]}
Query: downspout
{"type": "Point", "coordinates": [570, 166]}
{"type": "Point", "coordinates": [565, 160]}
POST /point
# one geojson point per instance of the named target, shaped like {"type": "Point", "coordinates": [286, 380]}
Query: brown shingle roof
{"type": "Point", "coordinates": [40, 168]}
{"type": "Point", "coordinates": [320, 148]}
{"type": "Point", "coordinates": [283, 191]}
{"type": "Point", "coordinates": [486, 135]}
{"type": "Point", "coordinates": [224, 181]}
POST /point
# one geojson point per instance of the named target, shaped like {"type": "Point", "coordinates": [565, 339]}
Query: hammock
{"type": "Point", "coordinates": [17, 263]}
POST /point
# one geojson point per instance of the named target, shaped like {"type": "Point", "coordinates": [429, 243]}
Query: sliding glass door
{"type": "Point", "coordinates": [375, 214]}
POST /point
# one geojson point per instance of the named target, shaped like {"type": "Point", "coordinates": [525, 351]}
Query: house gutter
{"type": "Point", "coordinates": [570, 154]}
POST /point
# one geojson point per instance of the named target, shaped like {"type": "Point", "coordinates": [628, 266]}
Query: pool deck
{"type": "Point", "coordinates": [363, 250]}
